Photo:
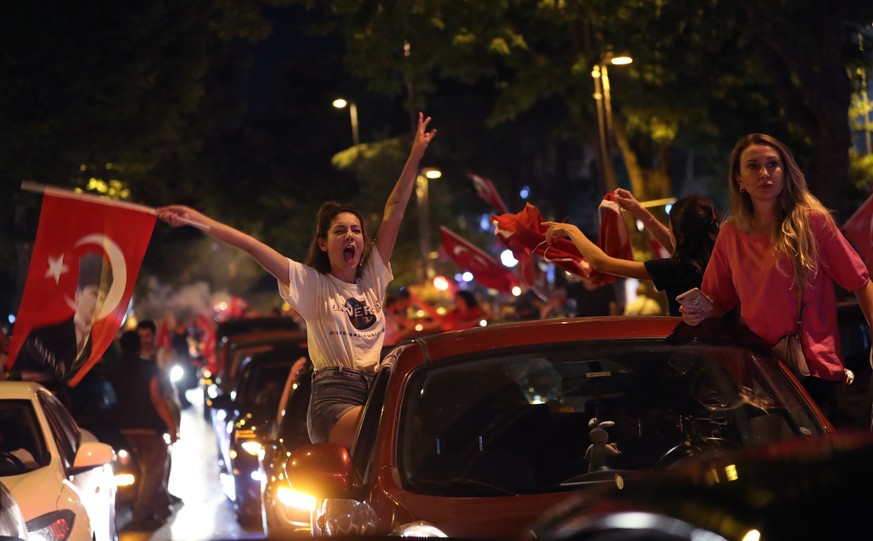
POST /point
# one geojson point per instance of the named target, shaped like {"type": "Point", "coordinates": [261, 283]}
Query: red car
{"type": "Point", "coordinates": [475, 433]}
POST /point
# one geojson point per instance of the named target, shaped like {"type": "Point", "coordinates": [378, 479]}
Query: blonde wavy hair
{"type": "Point", "coordinates": [790, 235]}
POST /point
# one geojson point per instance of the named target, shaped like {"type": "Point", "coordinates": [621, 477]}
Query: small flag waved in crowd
{"type": "Point", "coordinates": [486, 270]}
{"type": "Point", "coordinates": [859, 230]}
{"type": "Point", "coordinates": [486, 190]}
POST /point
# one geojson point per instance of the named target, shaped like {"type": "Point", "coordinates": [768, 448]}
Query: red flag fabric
{"type": "Point", "coordinates": [486, 270]}
{"type": "Point", "coordinates": [859, 230]}
{"type": "Point", "coordinates": [612, 237]}
{"type": "Point", "coordinates": [486, 190]}
{"type": "Point", "coordinates": [85, 261]}
{"type": "Point", "coordinates": [525, 236]}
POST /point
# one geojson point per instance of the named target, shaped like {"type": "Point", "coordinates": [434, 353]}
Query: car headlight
{"type": "Point", "coordinates": [418, 529]}
{"type": "Point", "coordinates": [176, 373]}
{"type": "Point", "coordinates": [252, 447]}
{"type": "Point", "coordinates": [54, 526]}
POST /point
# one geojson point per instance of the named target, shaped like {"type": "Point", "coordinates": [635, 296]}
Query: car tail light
{"type": "Point", "coordinates": [55, 526]}
{"type": "Point", "coordinates": [125, 479]}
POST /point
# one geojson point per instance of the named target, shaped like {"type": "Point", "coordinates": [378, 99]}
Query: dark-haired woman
{"type": "Point", "coordinates": [691, 236]}
{"type": "Point", "coordinates": [339, 291]}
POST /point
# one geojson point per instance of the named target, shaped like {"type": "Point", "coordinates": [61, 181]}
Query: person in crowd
{"type": "Point", "coordinates": [538, 300]}
{"type": "Point", "coordinates": [340, 292]}
{"type": "Point", "coordinates": [781, 245]}
{"type": "Point", "coordinates": [589, 299]}
{"type": "Point", "coordinates": [644, 304]}
{"type": "Point", "coordinates": [147, 329]}
{"type": "Point", "coordinates": [397, 323]}
{"type": "Point", "coordinates": [694, 226]}
{"type": "Point", "coordinates": [148, 332]}
{"type": "Point", "coordinates": [465, 314]}
{"type": "Point", "coordinates": [530, 305]}
{"type": "Point", "coordinates": [144, 418]}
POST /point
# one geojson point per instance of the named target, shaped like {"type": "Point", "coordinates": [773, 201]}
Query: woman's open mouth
{"type": "Point", "coordinates": [349, 253]}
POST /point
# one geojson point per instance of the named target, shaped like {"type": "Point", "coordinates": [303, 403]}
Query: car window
{"type": "Point", "coordinates": [292, 427]}
{"type": "Point", "coordinates": [261, 386]}
{"type": "Point", "coordinates": [365, 440]}
{"type": "Point", "coordinates": [63, 427]}
{"type": "Point", "coordinates": [20, 437]}
{"type": "Point", "coordinates": [518, 421]}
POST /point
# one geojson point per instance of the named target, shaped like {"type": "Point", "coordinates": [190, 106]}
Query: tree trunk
{"type": "Point", "coordinates": [646, 184]}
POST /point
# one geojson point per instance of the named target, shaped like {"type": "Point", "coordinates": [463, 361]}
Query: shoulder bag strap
{"type": "Point", "coordinates": [800, 309]}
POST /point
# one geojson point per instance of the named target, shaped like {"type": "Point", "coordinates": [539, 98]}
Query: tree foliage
{"type": "Point", "coordinates": [705, 73]}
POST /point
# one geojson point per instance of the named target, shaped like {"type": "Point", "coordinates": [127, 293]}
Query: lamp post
{"type": "Point", "coordinates": [603, 103]}
{"type": "Point", "coordinates": [422, 199]}
{"type": "Point", "coordinates": [340, 103]}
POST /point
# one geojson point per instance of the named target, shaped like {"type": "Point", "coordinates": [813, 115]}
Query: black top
{"type": "Point", "coordinates": [51, 349]}
{"type": "Point", "coordinates": [135, 408]}
{"type": "Point", "coordinates": [674, 277]}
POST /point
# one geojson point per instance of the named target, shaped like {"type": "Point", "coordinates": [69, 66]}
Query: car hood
{"type": "Point", "coordinates": [505, 517]}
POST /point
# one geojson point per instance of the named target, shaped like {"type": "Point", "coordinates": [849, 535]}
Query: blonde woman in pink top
{"type": "Point", "coordinates": [780, 241]}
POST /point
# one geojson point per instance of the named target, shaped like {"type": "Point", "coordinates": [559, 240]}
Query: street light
{"type": "Point", "coordinates": [422, 199]}
{"type": "Point", "coordinates": [340, 103]}
{"type": "Point", "coordinates": [603, 102]}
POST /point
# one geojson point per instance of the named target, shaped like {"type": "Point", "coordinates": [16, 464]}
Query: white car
{"type": "Point", "coordinates": [59, 473]}
{"type": "Point", "coordinates": [12, 526]}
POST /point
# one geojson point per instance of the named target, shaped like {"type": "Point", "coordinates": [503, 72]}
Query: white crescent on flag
{"type": "Point", "coordinates": [118, 268]}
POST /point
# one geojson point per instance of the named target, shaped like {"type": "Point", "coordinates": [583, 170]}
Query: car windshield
{"type": "Point", "coordinates": [515, 422]}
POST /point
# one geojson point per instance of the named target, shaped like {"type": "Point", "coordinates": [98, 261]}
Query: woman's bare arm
{"type": "Point", "coordinates": [395, 207]}
{"type": "Point", "coordinates": [599, 260]}
{"type": "Point", "coordinates": [658, 230]}
{"type": "Point", "coordinates": [272, 261]}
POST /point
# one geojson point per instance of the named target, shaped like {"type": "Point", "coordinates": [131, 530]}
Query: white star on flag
{"type": "Point", "coordinates": [56, 268]}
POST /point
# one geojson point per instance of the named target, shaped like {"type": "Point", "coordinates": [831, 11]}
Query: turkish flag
{"type": "Point", "coordinates": [524, 234]}
{"type": "Point", "coordinates": [486, 190]}
{"type": "Point", "coordinates": [83, 269]}
{"type": "Point", "coordinates": [859, 230]}
{"type": "Point", "coordinates": [612, 237]}
{"type": "Point", "coordinates": [486, 270]}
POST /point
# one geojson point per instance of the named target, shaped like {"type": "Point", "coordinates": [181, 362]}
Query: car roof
{"type": "Point", "coordinates": [569, 330]}
{"type": "Point", "coordinates": [19, 389]}
{"type": "Point", "coordinates": [574, 329]}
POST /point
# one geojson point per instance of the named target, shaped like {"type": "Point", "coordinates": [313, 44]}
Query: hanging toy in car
{"type": "Point", "coordinates": [599, 451]}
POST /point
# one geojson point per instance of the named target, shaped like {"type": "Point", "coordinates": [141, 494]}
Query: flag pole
{"type": "Point", "coordinates": [63, 192]}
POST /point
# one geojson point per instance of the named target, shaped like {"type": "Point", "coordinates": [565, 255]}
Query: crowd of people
{"type": "Point", "coordinates": [771, 265]}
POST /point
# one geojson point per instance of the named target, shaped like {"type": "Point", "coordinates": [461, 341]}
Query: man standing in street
{"type": "Point", "coordinates": [148, 332]}
{"type": "Point", "coordinates": [144, 418]}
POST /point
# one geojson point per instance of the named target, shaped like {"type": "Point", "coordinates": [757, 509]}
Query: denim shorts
{"type": "Point", "coordinates": [335, 390]}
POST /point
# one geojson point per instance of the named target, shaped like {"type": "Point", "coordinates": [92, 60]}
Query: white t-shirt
{"type": "Point", "coordinates": [345, 323]}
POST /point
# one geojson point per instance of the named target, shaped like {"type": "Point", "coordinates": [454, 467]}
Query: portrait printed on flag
{"type": "Point", "coordinates": [60, 348]}
{"type": "Point", "coordinates": [85, 260]}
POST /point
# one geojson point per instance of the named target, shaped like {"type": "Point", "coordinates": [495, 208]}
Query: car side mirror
{"type": "Point", "coordinates": [90, 455]}
{"type": "Point", "coordinates": [323, 470]}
